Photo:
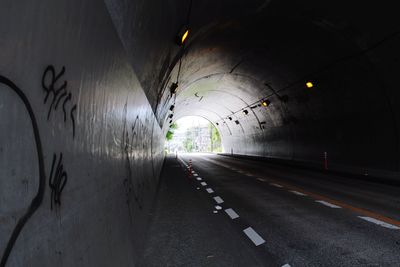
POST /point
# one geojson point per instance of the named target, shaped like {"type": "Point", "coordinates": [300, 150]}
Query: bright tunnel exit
{"type": "Point", "coordinates": [192, 134]}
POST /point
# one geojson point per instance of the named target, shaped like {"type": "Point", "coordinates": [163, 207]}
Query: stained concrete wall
{"type": "Point", "coordinates": [80, 152]}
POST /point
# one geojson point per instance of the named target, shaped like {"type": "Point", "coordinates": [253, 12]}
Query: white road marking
{"type": "Point", "coordinates": [298, 193]}
{"type": "Point", "coordinates": [286, 265]}
{"type": "Point", "coordinates": [328, 204]}
{"type": "Point", "coordinates": [198, 179]}
{"type": "Point", "coordinates": [276, 185]}
{"type": "Point", "coordinates": [203, 183]}
{"type": "Point", "coordinates": [248, 174]}
{"type": "Point", "coordinates": [195, 174]}
{"type": "Point", "coordinates": [231, 213]}
{"type": "Point", "coordinates": [261, 179]}
{"type": "Point", "coordinates": [215, 211]}
{"type": "Point", "coordinates": [218, 207]}
{"type": "Point", "coordinates": [218, 199]}
{"type": "Point", "coordinates": [209, 190]}
{"type": "Point", "coordinates": [256, 238]}
{"type": "Point", "coordinates": [378, 222]}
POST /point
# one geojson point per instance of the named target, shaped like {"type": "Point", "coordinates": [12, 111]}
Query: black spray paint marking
{"type": "Point", "coordinates": [58, 94]}
{"type": "Point", "coordinates": [37, 200]}
{"type": "Point", "coordinates": [57, 180]}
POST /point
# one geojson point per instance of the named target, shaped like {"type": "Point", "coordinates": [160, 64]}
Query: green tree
{"type": "Point", "coordinates": [170, 133]}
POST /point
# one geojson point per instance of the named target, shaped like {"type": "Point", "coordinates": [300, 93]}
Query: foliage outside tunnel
{"type": "Point", "coordinates": [193, 135]}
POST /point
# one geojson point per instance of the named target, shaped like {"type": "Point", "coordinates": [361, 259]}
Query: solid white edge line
{"type": "Point", "coordinates": [380, 223]}
{"type": "Point", "coordinates": [218, 199]}
{"type": "Point", "coordinates": [254, 237]}
{"type": "Point", "coordinates": [328, 204]}
{"type": "Point", "coordinates": [231, 213]}
{"type": "Point", "coordinates": [298, 193]}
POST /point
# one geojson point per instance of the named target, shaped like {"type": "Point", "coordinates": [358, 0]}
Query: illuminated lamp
{"type": "Point", "coordinates": [309, 84]}
{"type": "Point", "coordinates": [265, 103]}
{"type": "Point", "coordinates": [182, 36]}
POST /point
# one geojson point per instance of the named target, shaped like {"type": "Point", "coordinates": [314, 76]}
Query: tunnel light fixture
{"type": "Point", "coordinates": [265, 103]}
{"type": "Point", "coordinates": [173, 88]}
{"type": "Point", "coordinates": [170, 121]}
{"type": "Point", "coordinates": [170, 116]}
{"type": "Point", "coordinates": [217, 123]}
{"type": "Point", "coordinates": [172, 108]}
{"type": "Point", "coordinates": [230, 118]}
{"type": "Point", "coordinates": [236, 121]}
{"type": "Point", "coordinates": [245, 112]}
{"type": "Point", "coordinates": [309, 84]}
{"type": "Point", "coordinates": [183, 35]}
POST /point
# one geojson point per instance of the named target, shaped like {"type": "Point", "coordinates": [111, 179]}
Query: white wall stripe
{"type": "Point", "coordinates": [256, 238]}
{"type": "Point", "coordinates": [378, 222]}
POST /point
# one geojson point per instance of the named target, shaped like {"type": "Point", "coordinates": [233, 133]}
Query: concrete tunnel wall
{"type": "Point", "coordinates": [109, 122]}
{"type": "Point", "coordinates": [79, 162]}
{"type": "Point", "coordinates": [240, 52]}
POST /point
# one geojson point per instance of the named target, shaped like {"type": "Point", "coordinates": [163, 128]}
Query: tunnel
{"type": "Point", "coordinates": [89, 89]}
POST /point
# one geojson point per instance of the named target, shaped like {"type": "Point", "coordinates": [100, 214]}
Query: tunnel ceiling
{"type": "Point", "coordinates": [241, 52]}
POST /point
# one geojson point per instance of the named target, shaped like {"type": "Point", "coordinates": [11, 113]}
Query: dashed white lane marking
{"type": "Point", "coordinates": [328, 204]}
{"type": "Point", "coordinates": [276, 185]}
{"type": "Point", "coordinates": [256, 238]}
{"type": "Point", "coordinates": [378, 222]}
{"type": "Point", "coordinates": [261, 179]}
{"type": "Point", "coordinates": [195, 174]}
{"type": "Point", "coordinates": [231, 213]}
{"type": "Point", "coordinates": [248, 174]}
{"type": "Point", "coordinates": [218, 199]}
{"type": "Point", "coordinates": [218, 207]}
{"type": "Point", "coordinates": [203, 183]}
{"type": "Point", "coordinates": [298, 193]}
{"type": "Point", "coordinates": [198, 179]}
{"type": "Point", "coordinates": [286, 265]}
{"type": "Point", "coordinates": [209, 190]}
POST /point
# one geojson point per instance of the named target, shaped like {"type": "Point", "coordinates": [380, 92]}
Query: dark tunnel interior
{"type": "Point", "coordinates": [88, 90]}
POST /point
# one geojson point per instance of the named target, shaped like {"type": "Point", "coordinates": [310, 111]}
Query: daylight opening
{"type": "Point", "coordinates": [193, 134]}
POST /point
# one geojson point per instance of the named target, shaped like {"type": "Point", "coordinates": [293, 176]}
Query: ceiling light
{"type": "Point", "coordinates": [309, 84]}
{"type": "Point", "coordinates": [172, 107]}
{"type": "Point", "coordinates": [182, 35]}
{"type": "Point", "coordinates": [265, 103]}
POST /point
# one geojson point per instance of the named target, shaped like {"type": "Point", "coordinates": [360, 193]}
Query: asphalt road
{"type": "Point", "coordinates": [249, 213]}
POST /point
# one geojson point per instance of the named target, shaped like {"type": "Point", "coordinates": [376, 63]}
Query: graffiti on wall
{"type": "Point", "coordinates": [57, 180]}
{"type": "Point", "coordinates": [38, 198]}
{"type": "Point", "coordinates": [130, 141]}
{"type": "Point", "coordinates": [58, 97]}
